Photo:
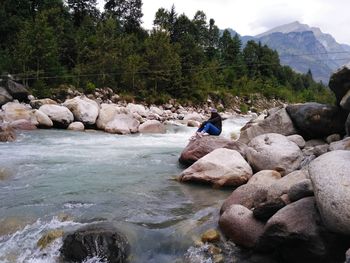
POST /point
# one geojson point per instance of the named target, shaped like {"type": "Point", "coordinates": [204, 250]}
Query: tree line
{"type": "Point", "coordinates": [46, 43]}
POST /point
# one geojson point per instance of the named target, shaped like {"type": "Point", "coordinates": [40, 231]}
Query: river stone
{"type": "Point", "coordinates": [248, 195]}
{"type": "Point", "coordinates": [48, 238]}
{"type": "Point", "coordinates": [333, 138]}
{"type": "Point", "coordinates": [345, 101]}
{"type": "Point", "coordinates": [23, 125]}
{"type": "Point", "coordinates": [107, 114]}
{"type": "Point", "coordinates": [192, 123]}
{"type": "Point", "coordinates": [200, 147]}
{"type": "Point", "coordinates": [43, 120]}
{"type": "Point", "coordinates": [300, 190]}
{"type": "Point", "coordinates": [17, 90]}
{"type": "Point", "coordinates": [17, 111]}
{"type": "Point", "coordinates": [4, 96]}
{"type": "Point", "coordinates": [278, 122]}
{"type": "Point", "coordinates": [221, 167]}
{"type": "Point", "coordinates": [339, 82]}
{"type": "Point", "coordinates": [314, 120]}
{"type": "Point", "coordinates": [83, 109]}
{"type": "Point", "coordinates": [101, 240]}
{"type": "Point", "coordinates": [76, 126]}
{"type": "Point", "coordinates": [61, 116]}
{"type": "Point", "coordinates": [156, 110]}
{"type": "Point", "coordinates": [298, 140]}
{"type": "Point", "coordinates": [329, 174]}
{"type": "Point", "coordinates": [283, 185]}
{"type": "Point", "coordinates": [239, 225]}
{"type": "Point", "coordinates": [273, 151]}
{"type": "Point", "coordinates": [152, 126]}
{"type": "Point", "coordinates": [193, 116]}
{"type": "Point", "coordinates": [7, 133]}
{"type": "Point", "coordinates": [211, 236]}
{"type": "Point", "coordinates": [264, 211]}
{"type": "Point", "coordinates": [316, 150]}
{"type": "Point", "coordinates": [36, 104]}
{"type": "Point", "coordinates": [265, 178]}
{"type": "Point", "coordinates": [340, 145]}
{"type": "Point", "coordinates": [137, 108]}
{"type": "Point", "coordinates": [122, 124]}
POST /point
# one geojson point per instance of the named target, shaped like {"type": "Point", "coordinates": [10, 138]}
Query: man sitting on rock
{"type": "Point", "coordinates": [212, 126]}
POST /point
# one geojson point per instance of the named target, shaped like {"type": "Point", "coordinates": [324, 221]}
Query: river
{"type": "Point", "coordinates": [84, 177]}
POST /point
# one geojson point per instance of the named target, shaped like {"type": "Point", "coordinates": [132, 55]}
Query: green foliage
{"type": "Point", "coordinates": [49, 42]}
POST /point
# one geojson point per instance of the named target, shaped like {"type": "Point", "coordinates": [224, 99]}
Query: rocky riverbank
{"type": "Point", "coordinates": [290, 170]}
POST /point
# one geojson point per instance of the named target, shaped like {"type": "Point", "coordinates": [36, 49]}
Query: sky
{"type": "Point", "coordinates": [252, 17]}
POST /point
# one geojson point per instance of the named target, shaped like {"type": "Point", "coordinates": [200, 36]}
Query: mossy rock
{"type": "Point", "coordinates": [48, 238]}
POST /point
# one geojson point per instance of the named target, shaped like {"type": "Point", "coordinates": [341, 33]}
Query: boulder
{"type": "Point", "coordinates": [345, 101]}
{"type": "Point", "coordinates": [193, 116]}
{"type": "Point", "coordinates": [101, 240]}
{"type": "Point", "coordinates": [137, 108]}
{"type": "Point", "coordinates": [156, 110]}
{"type": "Point", "coordinates": [221, 167]}
{"type": "Point", "coordinates": [314, 142]}
{"type": "Point", "coordinates": [339, 83]}
{"type": "Point", "coordinates": [314, 120]}
{"type": "Point", "coordinates": [36, 104]}
{"type": "Point", "coordinates": [152, 126]}
{"type": "Point", "coordinates": [239, 225]}
{"type": "Point", "coordinates": [278, 122]}
{"type": "Point", "coordinates": [43, 120]}
{"type": "Point", "coordinates": [298, 140]}
{"type": "Point", "coordinates": [316, 150]}
{"type": "Point", "coordinates": [22, 125]}
{"type": "Point", "coordinates": [83, 109]}
{"type": "Point", "coordinates": [273, 151]}
{"type": "Point", "coordinates": [192, 123]}
{"type": "Point", "coordinates": [283, 185]}
{"type": "Point", "coordinates": [296, 234]}
{"type": "Point", "coordinates": [264, 211]}
{"type": "Point", "coordinates": [300, 190]}
{"type": "Point", "coordinates": [200, 147]}
{"type": "Point", "coordinates": [76, 126]}
{"type": "Point", "coordinates": [333, 138]}
{"type": "Point", "coordinates": [48, 238]}
{"type": "Point", "coordinates": [122, 124]}
{"type": "Point", "coordinates": [265, 178]}
{"type": "Point", "coordinates": [16, 111]}
{"type": "Point", "coordinates": [17, 90]}
{"type": "Point", "coordinates": [61, 116]}
{"type": "Point", "coordinates": [340, 145]}
{"type": "Point", "coordinates": [107, 114]}
{"type": "Point", "coordinates": [7, 134]}
{"type": "Point", "coordinates": [329, 174]}
{"type": "Point", "coordinates": [248, 195]}
{"type": "Point", "coordinates": [4, 96]}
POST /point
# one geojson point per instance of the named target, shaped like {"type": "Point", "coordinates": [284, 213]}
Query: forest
{"type": "Point", "coordinates": [51, 44]}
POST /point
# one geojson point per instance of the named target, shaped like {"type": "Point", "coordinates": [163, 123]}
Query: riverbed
{"type": "Point", "coordinates": [58, 179]}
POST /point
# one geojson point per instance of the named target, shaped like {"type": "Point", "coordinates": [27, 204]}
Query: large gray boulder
{"type": "Point", "coordinates": [152, 126]}
{"type": "Point", "coordinates": [340, 145]}
{"type": "Point", "coordinates": [221, 167]}
{"type": "Point", "coordinates": [122, 124]}
{"type": "Point", "coordinates": [238, 224]}
{"type": "Point", "coordinates": [314, 120]}
{"type": "Point", "coordinates": [278, 122]}
{"type": "Point", "coordinates": [4, 96]}
{"type": "Point", "coordinates": [273, 151]}
{"type": "Point", "coordinates": [329, 174]}
{"type": "Point", "coordinates": [17, 90]}
{"type": "Point", "coordinates": [107, 114]}
{"type": "Point", "coordinates": [83, 109]}
{"type": "Point", "coordinates": [43, 120]}
{"type": "Point", "coordinates": [36, 104]}
{"type": "Point", "coordinates": [200, 147]}
{"type": "Point", "coordinates": [61, 116]}
{"type": "Point", "coordinates": [14, 111]}
{"type": "Point", "coordinates": [99, 240]}
{"type": "Point", "coordinates": [339, 83]}
{"type": "Point", "coordinates": [265, 178]}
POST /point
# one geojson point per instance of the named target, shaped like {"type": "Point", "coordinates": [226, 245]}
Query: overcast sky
{"type": "Point", "coordinates": [251, 17]}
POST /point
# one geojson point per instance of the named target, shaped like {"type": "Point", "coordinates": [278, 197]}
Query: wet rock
{"type": "Point", "coordinates": [60, 115]}
{"type": "Point", "coordinates": [221, 167]}
{"type": "Point", "coordinates": [23, 125]}
{"type": "Point", "coordinates": [265, 178]}
{"type": "Point", "coordinates": [193, 116]}
{"type": "Point", "coordinates": [7, 133]}
{"type": "Point", "coordinates": [10, 225]}
{"type": "Point", "coordinates": [210, 236]}
{"type": "Point", "coordinates": [76, 126]}
{"type": "Point", "coordinates": [4, 96]}
{"type": "Point", "coordinates": [314, 120]}
{"type": "Point", "coordinates": [48, 238]}
{"type": "Point", "coordinates": [273, 151]}
{"type": "Point", "coordinates": [101, 240]}
{"type": "Point", "coordinates": [298, 140]}
{"type": "Point", "coordinates": [83, 109]}
{"type": "Point", "coordinates": [283, 185]}
{"type": "Point", "coordinates": [4, 174]}
{"type": "Point", "coordinates": [202, 146]}
{"type": "Point", "coordinates": [329, 174]}
{"type": "Point", "coordinates": [278, 122]}
{"type": "Point", "coordinates": [36, 104]}
{"type": "Point", "coordinates": [248, 195]}
{"type": "Point", "coordinates": [107, 114]}
{"type": "Point", "coordinates": [192, 123]}
{"type": "Point", "coordinates": [17, 90]}
{"type": "Point", "coordinates": [239, 225]}
{"type": "Point", "coordinates": [333, 138]}
{"type": "Point", "coordinates": [122, 124]}
{"type": "Point", "coordinates": [339, 83]}
{"type": "Point", "coordinates": [300, 190]}
{"type": "Point", "coordinates": [264, 211]}
{"type": "Point", "coordinates": [152, 126]}
{"type": "Point", "coordinates": [340, 145]}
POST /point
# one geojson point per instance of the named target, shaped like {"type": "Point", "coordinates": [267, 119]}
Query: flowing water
{"type": "Point", "coordinates": [57, 179]}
